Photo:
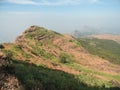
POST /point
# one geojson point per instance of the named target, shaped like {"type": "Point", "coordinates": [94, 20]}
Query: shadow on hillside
{"type": "Point", "coordinates": [34, 77]}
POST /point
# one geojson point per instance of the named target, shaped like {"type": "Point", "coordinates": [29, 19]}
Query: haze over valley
{"type": "Point", "coordinates": [63, 16]}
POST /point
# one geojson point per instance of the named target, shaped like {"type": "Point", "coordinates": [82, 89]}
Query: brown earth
{"type": "Point", "coordinates": [69, 45]}
{"type": "Point", "coordinates": [86, 59]}
{"type": "Point", "coordinates": [108, 37]}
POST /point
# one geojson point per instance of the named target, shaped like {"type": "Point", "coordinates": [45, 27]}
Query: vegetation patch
{"type": "Point", "coordinates": [106, 49]}
{"type": "Point", "coordinates": [19, 50]}
{"type": "Point", "coordinates": [66, 58]}
{"type": "Point", "coordinates": [8, 53]}
{"type": "Point", "coordinates": [34, 77]}
{"type": "Point", "coordinates": [42, 53]}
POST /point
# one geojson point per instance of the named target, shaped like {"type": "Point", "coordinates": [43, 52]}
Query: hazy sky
{"type": "Point", "coordinates": [63, 16]}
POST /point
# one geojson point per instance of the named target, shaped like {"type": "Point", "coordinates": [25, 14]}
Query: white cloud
{"type": "Point", "coordinates": [22, 1]}
{"type": "Point", "coordinates": [52, 2]}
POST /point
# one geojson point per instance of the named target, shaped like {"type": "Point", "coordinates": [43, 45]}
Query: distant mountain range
{"type": "Point", "coordinates": [86, 31]}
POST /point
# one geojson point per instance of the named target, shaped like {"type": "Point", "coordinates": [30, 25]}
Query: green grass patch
{"type": "Point", "coordinates": [106, 49]}
{"type": "Point", "coordinates": [34, 77]}
{"type": "Point", "coordinates": [87, 71]}
{"type": "Point", "coordinates": [18, 49]}
{"type": "Point", "coordinates": [66, 58]}
{"type": "Point", "coordinates": [41, 52]}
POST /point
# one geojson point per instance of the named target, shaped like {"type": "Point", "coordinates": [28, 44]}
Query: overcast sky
{"type": "Point", "coordinates": [63, 16]}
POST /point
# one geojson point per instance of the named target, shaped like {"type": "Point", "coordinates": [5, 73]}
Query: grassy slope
{"type": "Point", "coordinates": [32, 76]}
{"type": "Point", "coordinates": [106, 49]}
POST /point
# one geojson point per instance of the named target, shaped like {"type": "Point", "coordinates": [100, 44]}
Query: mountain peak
{"type": "Point", "coordinates": [37, 33]}
{"type": "Point", "coordinates": [33, 28]}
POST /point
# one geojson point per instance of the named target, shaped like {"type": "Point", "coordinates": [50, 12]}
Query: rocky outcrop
{"type": "Point", "coordinates": [115, 83]}
{"type": "Point", "coordinates": [9, 82]}
{"type": "Point", "coordinates": [30, 29]}
{"type": "Point", "coordinates": [4, 60]}
{"type": "Point", "coordinates": [7, 79]}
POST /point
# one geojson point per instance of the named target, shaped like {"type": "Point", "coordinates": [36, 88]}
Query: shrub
{"type": "Point", "coordinates": [1, 46]}
{"type": "Point", "coordinates": [8, 53]}
{"type": "Point", "coordinates": [65, 58]}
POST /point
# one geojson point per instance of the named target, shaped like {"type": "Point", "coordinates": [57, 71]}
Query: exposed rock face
{"type": "Point", "coordinates": [7, 80]}
{"type": "Point", "coordinates": [19, 39]}
{"type": "Point", "coordinates": [4, 60]}
{"type": "Point", "coordinates": [115, 83]}
{"type": "Point", "coordinates": [30, 29]}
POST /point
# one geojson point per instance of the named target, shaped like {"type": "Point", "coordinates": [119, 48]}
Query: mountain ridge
{"type": "Point", "coordinates": [49, 49]}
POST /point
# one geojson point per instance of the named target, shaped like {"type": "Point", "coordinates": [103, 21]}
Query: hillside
{"type": "Point", "coordinates": [107, 37]}
{"type": "Point", "coordinates": [42, 59]}
{"type": "Point", "coordinates": [107, 49]}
